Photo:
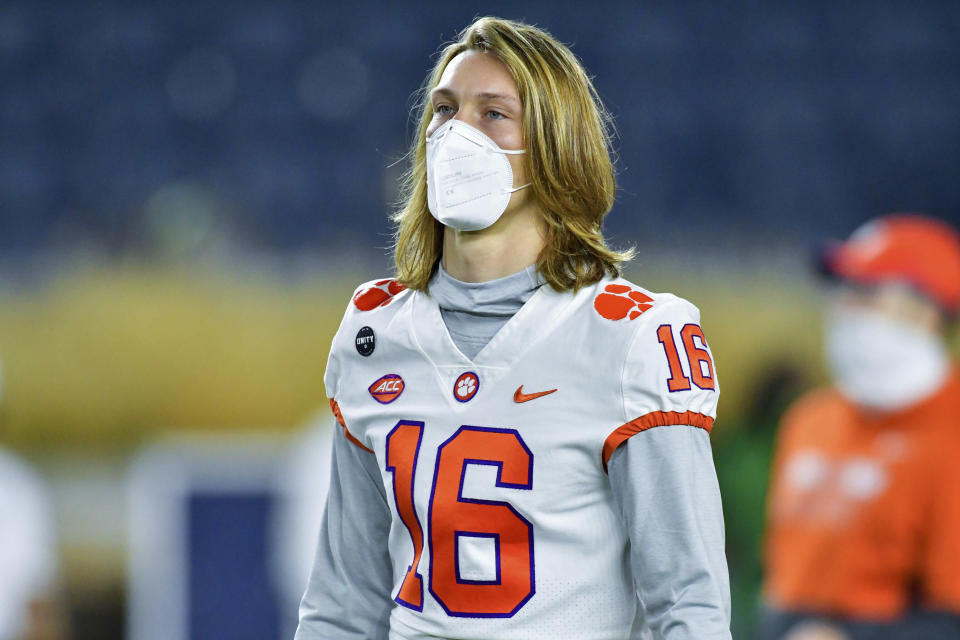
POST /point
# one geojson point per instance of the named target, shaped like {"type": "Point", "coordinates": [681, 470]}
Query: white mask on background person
{"type": "Point", "coordinates": [883, 364]}
{"type": "Point", "coordinates": [469, 178]}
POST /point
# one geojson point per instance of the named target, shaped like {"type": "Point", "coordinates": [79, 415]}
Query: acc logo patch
{"type": "Point", "coordinates": [618, 301]}
{"type": "Point", "coordinates": [379, 295]}
{"type": "Point", "coordinates": [386, 389]}
{"type": "Point", "coordinates": [466, 386]}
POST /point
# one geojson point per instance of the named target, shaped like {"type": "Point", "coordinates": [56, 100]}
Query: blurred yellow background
{"type": "Point", "coordinates": [102, 357]}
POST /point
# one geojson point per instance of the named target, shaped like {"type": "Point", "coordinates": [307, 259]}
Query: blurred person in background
{"type": "Point", "coordinates": [29, 607]}
{"type": "Point", "coordinates": [863, 537]}
{"type": "Point", "coordinates": [524, 450]}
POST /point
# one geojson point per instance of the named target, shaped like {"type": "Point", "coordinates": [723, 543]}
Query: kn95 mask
{"type": "Point", "coordinates": [469, 178]}
{"type": "Point", "coordinates": [881, 363]}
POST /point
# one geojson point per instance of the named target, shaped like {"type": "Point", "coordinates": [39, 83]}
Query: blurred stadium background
{"type": "Point", "coordinates": [189, 192]}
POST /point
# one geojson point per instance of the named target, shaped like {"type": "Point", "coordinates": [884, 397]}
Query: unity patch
{"type": "Point", "coordinates": [366, 341]}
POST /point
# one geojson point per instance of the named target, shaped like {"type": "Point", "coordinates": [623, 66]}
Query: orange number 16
{"type": "Point", "coordinates": [701, 366]}
{"type": "Point", "coordinates": [453, 516]}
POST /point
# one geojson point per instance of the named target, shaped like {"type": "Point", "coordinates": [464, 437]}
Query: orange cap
{"type": "Point", "coordinates": [918, 250]}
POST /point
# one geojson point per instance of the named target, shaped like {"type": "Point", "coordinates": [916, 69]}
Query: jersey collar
{"type": "Point", "coordinates": [536, 319]}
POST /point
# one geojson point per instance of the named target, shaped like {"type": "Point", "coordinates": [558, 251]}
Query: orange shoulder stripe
{"type": "Point", "coordinates": [336, 412]}
{"type": "Point", "coordinates": [649, 421]}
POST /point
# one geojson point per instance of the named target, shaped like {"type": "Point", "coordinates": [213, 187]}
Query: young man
{"type": "Point", "coordinates": [524, 445]}
{"type": "Point", "coordinates": [864, 511]}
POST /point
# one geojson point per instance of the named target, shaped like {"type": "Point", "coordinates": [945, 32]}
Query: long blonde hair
{"type": "Point", "coordinates": [567, 136]}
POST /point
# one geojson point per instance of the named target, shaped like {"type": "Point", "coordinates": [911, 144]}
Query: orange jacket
{"type": "Point", "coordinates": [864, 509]}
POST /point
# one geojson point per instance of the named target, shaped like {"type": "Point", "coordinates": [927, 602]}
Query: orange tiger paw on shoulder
{"type": "Point", "coordinates": [379, 295]}
{"type": "Point", "coordinates": [619, 301]}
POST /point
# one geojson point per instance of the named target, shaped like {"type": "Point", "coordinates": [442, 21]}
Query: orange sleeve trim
{"type": "Point", "coordinates": [336, 412]}
{"type": "Point", "coordinates": [649, 421]}
{"type": "Point", "coordinates": [355, 441]}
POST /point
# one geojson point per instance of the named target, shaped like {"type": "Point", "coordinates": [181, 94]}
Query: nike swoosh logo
{"type": "Point", "coordinates": [520, 396]}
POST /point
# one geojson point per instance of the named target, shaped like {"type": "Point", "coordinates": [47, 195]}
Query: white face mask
{"type": "Point", "coordinates": [469, 178]}
{"type": "Point", "coordinates": [880, 363]}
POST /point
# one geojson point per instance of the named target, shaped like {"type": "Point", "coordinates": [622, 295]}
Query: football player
{"type": "Point", "coordinates": [864, 511]}
{"type": "Point", "coordinates": [523, 449]}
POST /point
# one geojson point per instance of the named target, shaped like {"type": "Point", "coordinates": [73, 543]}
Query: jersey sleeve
{"type": "Point", "coordinates": [668, 375]}
{"type": "Point", "coordinates": [676, 532]}
{"type": "Point", "coordinates": [348, 592]}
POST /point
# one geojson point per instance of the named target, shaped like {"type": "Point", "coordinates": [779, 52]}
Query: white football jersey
{"type": "Point", "coordinates": [503, 522]}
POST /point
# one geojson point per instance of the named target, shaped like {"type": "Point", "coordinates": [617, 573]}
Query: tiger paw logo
{"type": "Point", "coordinates": [619, 301]}
{"type": "Point", "coordinates": [379, 295]}
{"type": "Point", "coordinates": [466, 386]}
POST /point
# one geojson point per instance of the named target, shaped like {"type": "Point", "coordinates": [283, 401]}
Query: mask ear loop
{"type": "Point", "coordinates": [512, 152]}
